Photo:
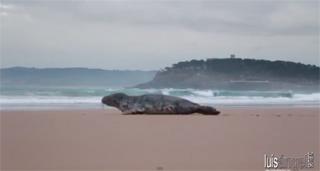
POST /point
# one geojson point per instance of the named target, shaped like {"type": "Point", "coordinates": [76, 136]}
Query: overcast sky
{"type": "Point", "coordinates": [154, 34]}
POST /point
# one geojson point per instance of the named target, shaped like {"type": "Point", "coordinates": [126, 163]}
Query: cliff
{"type": "Point", "coordinates": [237, 74]}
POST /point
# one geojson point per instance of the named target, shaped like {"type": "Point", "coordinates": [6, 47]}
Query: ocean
{"type": "Point", "coordinates": [17, 97]}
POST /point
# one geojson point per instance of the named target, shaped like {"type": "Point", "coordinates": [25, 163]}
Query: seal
{"type": "Point", "coordinates": [155, 104]}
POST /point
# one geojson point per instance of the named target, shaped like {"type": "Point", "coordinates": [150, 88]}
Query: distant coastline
{"type": "Point", "coordinates": [230, 81]}
{"type": "Point", "coordinates": [238, 74]}
{"type": "Point", "coordinates": [73, 77]}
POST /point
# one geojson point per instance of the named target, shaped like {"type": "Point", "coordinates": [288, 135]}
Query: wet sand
{"type": "Point", "coordinates": [237, 139]}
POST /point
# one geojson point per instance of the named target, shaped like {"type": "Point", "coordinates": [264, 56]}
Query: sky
{"type": "Point", "coordinates": [150, 35]}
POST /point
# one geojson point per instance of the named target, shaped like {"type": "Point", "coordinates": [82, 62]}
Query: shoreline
{"type": "Point", "coordinates": [59, 107]}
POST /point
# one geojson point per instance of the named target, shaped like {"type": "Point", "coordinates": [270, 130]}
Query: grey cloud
{"type": "Point", "coordinates": [153, 34]}
{"type": "Point", "coordinates": [230, 16]}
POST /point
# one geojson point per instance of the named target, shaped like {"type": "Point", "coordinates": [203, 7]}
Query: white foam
{"type": "Point", "coordinates": [198, 96]}
{"type": "Point", "coordinates": [47, 100]}
{"type": "Point", "coordinates": [296, 99]}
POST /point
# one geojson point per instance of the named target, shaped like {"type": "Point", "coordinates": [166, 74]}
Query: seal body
{"type": "Point", "coordinates": [155, 104]}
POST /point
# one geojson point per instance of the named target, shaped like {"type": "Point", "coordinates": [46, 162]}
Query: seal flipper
{"type": "Point", "coordinates": [207, 110]}
{"type": "Point", "coordinates": [129, 112]}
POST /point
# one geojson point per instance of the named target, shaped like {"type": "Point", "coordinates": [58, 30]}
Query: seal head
{"type": "Point", "coordinates": [114, 99]}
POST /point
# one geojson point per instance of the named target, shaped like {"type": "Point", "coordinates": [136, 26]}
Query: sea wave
{"type": "Point", "coordinates": [47, 96]}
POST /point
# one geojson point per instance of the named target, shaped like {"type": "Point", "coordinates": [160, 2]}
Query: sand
{"type": "Point", "coordinates": [106, 140]}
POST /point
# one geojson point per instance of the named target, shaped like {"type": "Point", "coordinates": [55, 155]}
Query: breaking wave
{"type": "Point", "coordinates": [14, 96]}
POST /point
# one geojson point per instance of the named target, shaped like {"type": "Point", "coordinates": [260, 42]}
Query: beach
{"type": "Point", "coordinates": [73, 72]}
{"type": "Point", "coordinates": [104, 139]}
